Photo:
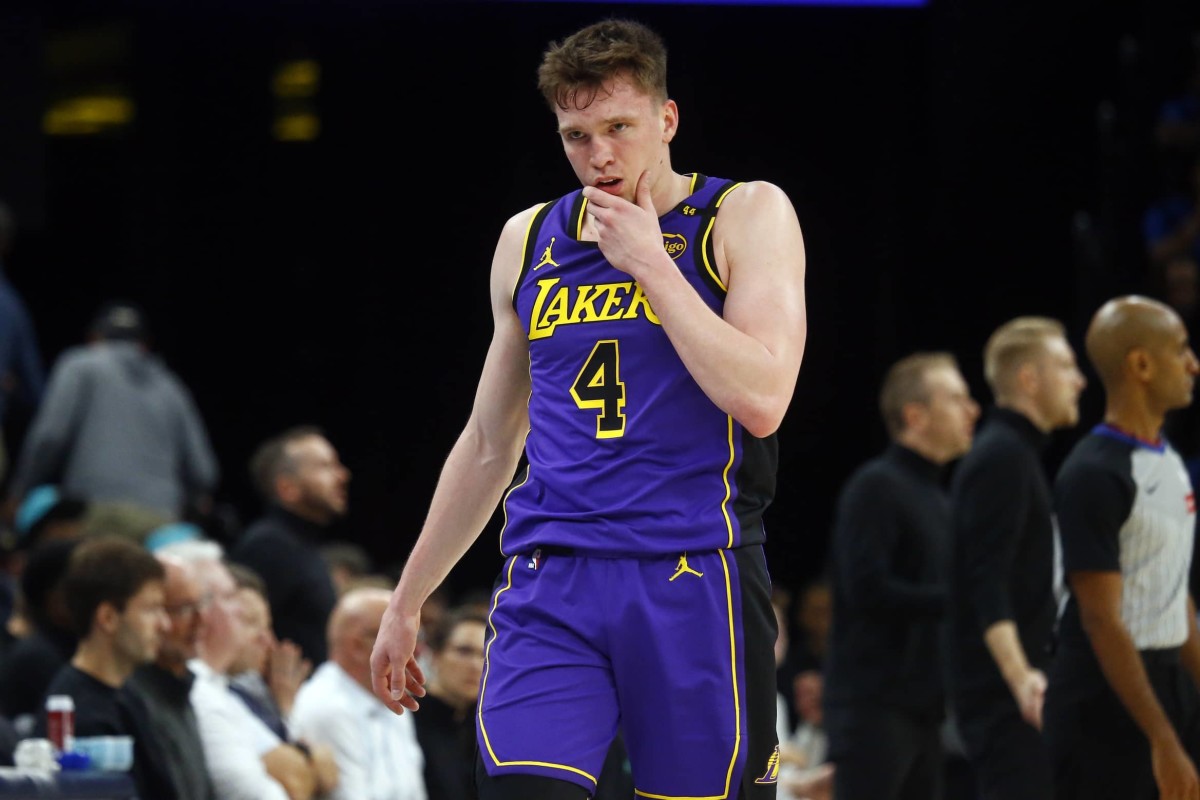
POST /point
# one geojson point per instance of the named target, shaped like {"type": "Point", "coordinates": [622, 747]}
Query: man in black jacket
{"type": "Point", "coordinates": [883, 696]}
{"type": "Point", "coordinates": [304, 484]}
{"type": "Point", "coordinates": [1003, 605]}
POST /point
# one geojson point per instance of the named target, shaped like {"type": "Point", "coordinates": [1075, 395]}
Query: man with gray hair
{"type": "Point", "coordinates": [169, 756]}
{"type": "Point", "coordinates": [246, 759]}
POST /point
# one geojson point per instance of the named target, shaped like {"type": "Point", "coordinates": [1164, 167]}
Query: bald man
{"type": "Point", "coordinates": [377, 752]}
{"type": "Point", "coordinates": [1122, 711]}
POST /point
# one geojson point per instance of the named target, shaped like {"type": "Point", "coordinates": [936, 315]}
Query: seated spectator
{"type": "Point", "coordinates": [47, 641]}
{"type": "Point", "coordinates": [781, 601]}
{"type": "Point", "coordinates": [433, 614]}
{"type": "Point", "coordinates": [377, 751]}
{"type": "Point", "coordinates": [266, 673]}
{"type": "Point", "coordinates": [45, 515]}
{"type": "Point", "coordinates": [802, 754]}
{"type": "Point", "coordinates": [811, 616]}
{"type": "Point", "coordinates": [114, 593]}
{"type": "Point", "coordinates": [170, 533]}
{"type": "Point", "coordinates": [169, 761]}
{"type": "Point", "coordinates": [347, 562]}
{"type": "Point", "coordinates": [446, 720]}
{"type": "Point", "coordinates": [246, 759]}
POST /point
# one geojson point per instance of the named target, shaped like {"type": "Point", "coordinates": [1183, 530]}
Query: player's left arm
{"type": "Point", "coordinates": [746, 361]}
{"type": "Point", "coordinates": [757, 238]}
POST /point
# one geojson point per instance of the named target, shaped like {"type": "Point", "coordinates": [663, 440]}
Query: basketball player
{"type": "Point", "coordinates": [649, 330]}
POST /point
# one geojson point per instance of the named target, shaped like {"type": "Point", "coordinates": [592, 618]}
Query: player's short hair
{"type": "Point", "coordinates": [574, 69]}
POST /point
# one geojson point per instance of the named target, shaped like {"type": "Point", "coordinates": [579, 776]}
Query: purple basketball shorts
{"type": "Point", "coordinates": [677, 650]}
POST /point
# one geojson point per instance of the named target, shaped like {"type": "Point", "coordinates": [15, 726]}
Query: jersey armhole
{"type": "Point", "coordinates": [531, 232]}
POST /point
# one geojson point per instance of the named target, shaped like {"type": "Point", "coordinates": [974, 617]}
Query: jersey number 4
{"type": "Point", "coordinates": [598, 387]}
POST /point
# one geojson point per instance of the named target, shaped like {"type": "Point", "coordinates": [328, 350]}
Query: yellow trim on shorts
{"type": "Point", "coordinates": [737, 700]}
{"type": "Point", "coordinates": [483, 688]}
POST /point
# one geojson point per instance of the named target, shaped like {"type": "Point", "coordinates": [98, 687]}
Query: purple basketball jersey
{"type": "Point", "coordinates": [626, 454]}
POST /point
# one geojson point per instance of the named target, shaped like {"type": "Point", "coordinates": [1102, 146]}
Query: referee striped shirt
{"type": "Point", "coordinates": [1126, 505]}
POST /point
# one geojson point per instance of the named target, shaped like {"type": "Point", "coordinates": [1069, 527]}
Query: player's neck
{"type": "Point", "coordinates": [676, 187]}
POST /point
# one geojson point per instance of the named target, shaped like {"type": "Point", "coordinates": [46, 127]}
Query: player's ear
{"type": "Point", "coordinates": [670, 121]}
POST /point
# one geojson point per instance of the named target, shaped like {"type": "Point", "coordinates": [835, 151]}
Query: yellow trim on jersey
{"type": "Point", "coordinates": [483, 688]}
{"type": "Point", "coordinates": [712, 268]}
{"type": "Point", "coordinates": [737, 701]}
{"type": "Point", "coordinates": [525, 249]}
{"type": "Point", "coordinates": [579, 222]}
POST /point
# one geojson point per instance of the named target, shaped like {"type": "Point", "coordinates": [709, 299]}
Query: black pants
{"type": "Point", "coordinates": [1096, 749]}
{"type": "Point", "coordinates": [1008, 756]}
{"type": "Point", "coordinates": [885, 754]}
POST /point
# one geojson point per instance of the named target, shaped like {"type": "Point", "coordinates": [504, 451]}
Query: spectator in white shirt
{"type": "Point", "coordinates": [377, 752]}
{"type": "Point", "coordinates": [247, 760]}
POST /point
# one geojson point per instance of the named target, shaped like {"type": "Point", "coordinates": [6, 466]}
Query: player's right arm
{"type": "Point", "coordinates": [479, 467]}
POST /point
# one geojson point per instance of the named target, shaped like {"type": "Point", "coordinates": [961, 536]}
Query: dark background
{"type": "Point", "coordinates": [952, 166]}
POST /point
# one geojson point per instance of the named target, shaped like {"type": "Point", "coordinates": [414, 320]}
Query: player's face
{"type": "Point", "coordinates": [1175, 366]}
{"type": "Point", "coordinates": [622, 133]}
{"type": "Point", "coordinates": [1059, 384]}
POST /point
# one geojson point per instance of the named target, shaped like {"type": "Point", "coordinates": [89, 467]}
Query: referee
{"type": "Point", "coordinates": [1002, 608]}
{"type": "Point", "coordinates": [1122, 713]}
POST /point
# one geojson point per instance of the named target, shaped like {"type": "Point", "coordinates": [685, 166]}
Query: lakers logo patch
{"type": "Point", "coordinates": [674, 244]}
{"type": "Point", "coordinates": [771, 774]}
